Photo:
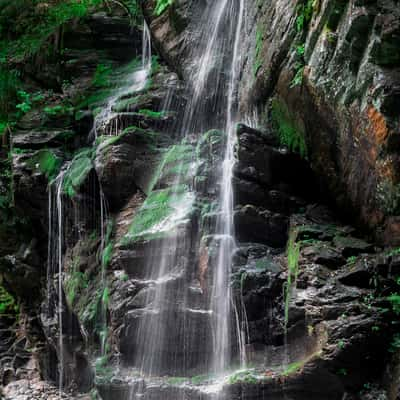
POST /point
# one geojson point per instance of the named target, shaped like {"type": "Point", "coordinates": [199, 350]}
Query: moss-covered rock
{"type": "Point", "coordinates": [78, 171]}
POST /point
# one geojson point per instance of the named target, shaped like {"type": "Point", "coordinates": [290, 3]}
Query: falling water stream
{"type": "Point", "coordinates": [106, 123]}
{"type": "Point", "coordinates": [171, 313]}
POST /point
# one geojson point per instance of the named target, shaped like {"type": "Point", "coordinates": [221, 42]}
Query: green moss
{"type": "Point", "coordinates": [8, 304]}
{"type": "Point", "coordinates": [78, 171]}
{"type": "Point", "coordinates": [94, 100]}
{"type": "Point", "coordinates": [46, 162]}
{"type": "Point", "coordinates": [58, 110]}
{"type": "Point", "coordinates": [176, 161]}
{"type": "Point", "coordinates": [258, 54]}
{"type": "Point", "coordinates": [292, 368]}
{"type": "Point", "coordinates": [101, 75]}
{"type": "Point", "coordinates": [288, 133]}
{"type": "Point", "coordinates": [126, 104]}
{"type": "Point", "coordinates": [305, 11]}
{"type": "Point", "coordinates": [107, 254]}
{"type": "Point", "coordinates": [176, 380]}
{"type": "Point", "coordinates": [247, 376]}
{"type": "Point", "coordinates": [152, 114]}
{"type": "Point", "coordinates": [75, 282]}
{"type": "Point", "coordinates": [298, 76]}
{"type": "Point", "coordinates": [160, 214]}
{"type": "Point", "coordinates": [91, 309]}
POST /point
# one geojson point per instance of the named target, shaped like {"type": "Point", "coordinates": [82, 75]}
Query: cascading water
{"type": "Point", "coordinates": [172, 324]}
{"type": "Point", "coordinates": [55, 263]}
{"type": "Point", "coordinates": [106, 122]}
{"type": "Point", "coordinates": [221, 297]}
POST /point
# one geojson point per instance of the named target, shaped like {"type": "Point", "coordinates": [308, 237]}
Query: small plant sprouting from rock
{"type": "Point", "coordinates": [293, 254]}
{"type": "Point", "coordinates": [8, 304]}
{"type": "Point", "coordinates": [305, 12]}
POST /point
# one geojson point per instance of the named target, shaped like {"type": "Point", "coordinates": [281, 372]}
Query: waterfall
{"type": "Point", "coordinates": [55, 263]}
{"type": "Point", "coordinates": [146, 49]}
{"type": "Point", "coordinates": [170, 315]}
{"type": "Point", "coordinates": [106, 121]}
{"type": "Point", "coordinates": [221, 291]}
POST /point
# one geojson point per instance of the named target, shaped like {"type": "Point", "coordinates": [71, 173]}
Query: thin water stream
{"type": "Point", "coordinates": [105, 123]}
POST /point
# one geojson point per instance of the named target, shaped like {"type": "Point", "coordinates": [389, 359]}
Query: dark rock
{"type": "Point", "coordinates": [325, 255]}
{"type": "Point", "coordinates": [350, 246]}
{"type": "Point", "coordinates": [41, 138]}
{"type": "Point", "coordinates": [357, 276]}
{"type": "Point", "coordinates": [261, 226]}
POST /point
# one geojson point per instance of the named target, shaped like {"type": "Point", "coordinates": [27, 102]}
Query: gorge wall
{"type": "Point", "coordinates": [111, 225]}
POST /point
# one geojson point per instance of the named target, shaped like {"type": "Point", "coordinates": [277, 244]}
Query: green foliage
{"type": "Point", "coordinates": [32, 28]}
{"type": "Point", "coordinates": [162, 6]}
{"type": "Point", "coordinates": [289, 135]}
{"type": "Point", "coordinates": [78, 171]}
{"type": "Point", "coordinates": [394, 299]}
{"type": "Point", "coordinates": [300, 49]}
{"type": "Point", "coordinates": [305, 11]}
{"type": "Point", "coordinates": [298, 76]}
{"type": "Point", "coordinates": [8, 304]}
{"type": "Point", "coordinates": [351, 260]}
{"type": "Point", "coordinates": [75, 282]}
{"type": "Point", "coordinates": [342, 371]}
{"type": "Point", "coordinates": [25, 104]}
{"type": "Point", "coordinates": [58, 110]}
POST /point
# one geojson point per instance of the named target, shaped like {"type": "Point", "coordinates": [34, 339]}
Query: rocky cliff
{"type": "Point", "coordinates": [110, 231]}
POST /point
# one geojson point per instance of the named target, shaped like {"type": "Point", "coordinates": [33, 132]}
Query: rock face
{"type": "Point", "coordinates": [334, 83]}
{"type": "Point", "coordinates": [116, 273]}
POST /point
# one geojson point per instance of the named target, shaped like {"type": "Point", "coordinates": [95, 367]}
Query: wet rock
{"type": "Point", "coordinates": [41, 138]}
{"type": "Point", "coordinates": [259, 225]}
{"type": "Point", "coordinates": [357, 276]}
{"type": "Point", "coordinates": [350, 246]}
{"type": "Point", "coordinates": [325, 255]}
